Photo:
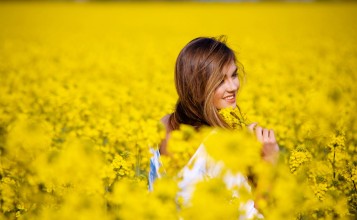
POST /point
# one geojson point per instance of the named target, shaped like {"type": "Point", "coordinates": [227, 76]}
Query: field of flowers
{"type": "Point", "coordinates": [83, 87]}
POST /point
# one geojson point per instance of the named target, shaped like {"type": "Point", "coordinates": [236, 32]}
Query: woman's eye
{"type": "Point", "coordinates": [234, 75]}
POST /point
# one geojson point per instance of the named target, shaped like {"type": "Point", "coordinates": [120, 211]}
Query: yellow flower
{"type": "Point", "coordinates": [239, 150]}
{"type": "Point", "coordinates": [233, 117]}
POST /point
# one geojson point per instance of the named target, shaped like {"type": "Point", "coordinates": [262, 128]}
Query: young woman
{"type": "Point", "coordinates": [206, 79]}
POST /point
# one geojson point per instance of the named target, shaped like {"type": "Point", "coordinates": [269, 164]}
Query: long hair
{"type": "Point", "coordinates": [198, 72]}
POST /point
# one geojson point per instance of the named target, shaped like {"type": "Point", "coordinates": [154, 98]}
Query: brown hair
{"type": "Point", "coordinates": [198, 72]}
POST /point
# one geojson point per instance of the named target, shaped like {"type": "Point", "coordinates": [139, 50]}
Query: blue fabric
{"type": "Point", "coordinates": [155, 165]}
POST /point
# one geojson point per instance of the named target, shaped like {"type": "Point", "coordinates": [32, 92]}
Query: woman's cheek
{"type": "Point", "coordinates": [217, 97]}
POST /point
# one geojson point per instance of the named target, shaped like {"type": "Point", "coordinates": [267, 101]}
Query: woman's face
{"type": "Point", "coordinates": [225, 94]}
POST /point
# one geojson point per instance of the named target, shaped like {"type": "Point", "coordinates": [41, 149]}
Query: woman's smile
{"type": "Point", "coordinates": [230, 98]}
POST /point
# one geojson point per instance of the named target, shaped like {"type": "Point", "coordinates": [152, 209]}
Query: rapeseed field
{"type": "Point", "coordinates": [83, 87]}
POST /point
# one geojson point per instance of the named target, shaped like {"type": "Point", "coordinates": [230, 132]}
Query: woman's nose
{"type": "Point", "coordinates": [232, 85]}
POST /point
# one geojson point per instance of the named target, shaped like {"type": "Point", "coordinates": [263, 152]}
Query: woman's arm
{"type": "Point", "coordinates": [270, 153]}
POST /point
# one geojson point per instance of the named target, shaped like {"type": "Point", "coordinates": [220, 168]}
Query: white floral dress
{"type": "Point", "coordinates": [202, 166]}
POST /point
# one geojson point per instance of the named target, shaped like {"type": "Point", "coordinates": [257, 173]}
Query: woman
{"type": "Point", "coordinates": [206, 79]}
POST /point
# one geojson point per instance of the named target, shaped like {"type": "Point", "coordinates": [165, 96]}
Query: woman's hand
{"type": "Point", "coordinates": [270, 151]}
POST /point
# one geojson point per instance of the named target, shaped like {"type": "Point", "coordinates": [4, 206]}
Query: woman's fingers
{"type": "Point", "coordinates": [272, 136]}
{"type": "Point", "coordinates": [252, 126]}
{"type": "Point", "coordinates": [265, 135]}
{"type": "Point", "coordinates": [259, 134]}
{"type": "Point", "coordinates": [270, 150]}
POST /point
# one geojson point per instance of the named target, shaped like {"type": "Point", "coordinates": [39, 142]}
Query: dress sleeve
{"type": "Point", "coordinates": [155, 165]}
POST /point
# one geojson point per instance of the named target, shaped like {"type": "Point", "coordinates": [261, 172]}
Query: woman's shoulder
{"type": "Point", "coordinates": [166, 122]}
